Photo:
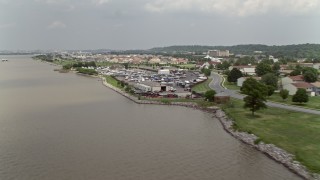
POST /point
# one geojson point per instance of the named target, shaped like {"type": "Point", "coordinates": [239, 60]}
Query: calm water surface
{"type": "Point", "coordinates": [66, 126]}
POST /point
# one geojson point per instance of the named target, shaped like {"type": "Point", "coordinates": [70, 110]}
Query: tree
{"type": "Point", "coordinates": [295, 72]}
{"type": "Point", "coordinates": [234, 75]}
{"type": "Point", "coordinates": [262, 69]}
{"type": "Point", "coordinates": [209, 95]}
{"type": "Point", "coordinates": [310, 76]}
{"type": "Point", "coordinates": [270, 79]}
{"type": "Point", "coordinates": [206, 72]}
{"type": "Point", "coordinates": [210, 66]}
{"type": "Point", "coordinates": [270, 90]}
{"type": "Point", "coordinates": [256, 94]}
{"type": "Point", "coordinates": [276, 68]}
{"type": "Point", "coordinates": [284, 94]}
{"type": "Point", "coordinates": [300, 96]}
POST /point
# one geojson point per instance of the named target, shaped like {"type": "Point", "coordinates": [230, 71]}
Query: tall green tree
{"type": "Point", "coordinates": [300, 96]}
{"type": "Point", "coordinates": [256, 94]}
{"type": "Point", "coordinates": [234, 75]}
{"type": "Point", "coordinates": [263, 68]}
{"type": "Point", "coordinates": [310, 76]}
{"type": "Point", "coordinates": [270, 79]}
{"type": "Point", "coordinates": [284, 94]}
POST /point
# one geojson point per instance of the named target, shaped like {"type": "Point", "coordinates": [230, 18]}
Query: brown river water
{"type": "Point", "coordinates": [66, 126]}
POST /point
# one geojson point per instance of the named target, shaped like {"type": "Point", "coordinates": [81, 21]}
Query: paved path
{"type": "Point", "coordinates": [215, 84]}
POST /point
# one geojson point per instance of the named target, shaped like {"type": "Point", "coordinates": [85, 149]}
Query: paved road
{"type": "Point", "coordinates": [216, 85]}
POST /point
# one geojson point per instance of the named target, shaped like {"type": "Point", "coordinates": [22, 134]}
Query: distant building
{"type": "Point", "coordinates": [218, 53]}
{"type": "Point", "coordinates": [148, 86]}
{"type": "Point", "coordinates": [293, 87]}
{"type": "Point", "coordinates": [164, 71]}
{"type": "Point", "coordinates": [246, 70]}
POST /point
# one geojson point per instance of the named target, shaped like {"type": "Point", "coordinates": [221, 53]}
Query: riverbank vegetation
{"type": "Point", "coordinates": [87, 71]}
{"type": "Point", "coordinates": [296, 132]}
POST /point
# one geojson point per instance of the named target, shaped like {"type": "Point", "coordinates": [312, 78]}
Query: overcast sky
{"type": "Point", "coordinates": [143, 24]}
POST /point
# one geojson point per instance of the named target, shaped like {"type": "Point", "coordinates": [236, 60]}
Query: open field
{"type": "Point", "coordinates": [295, 132]}
{"type": "Point", "coordinates": [314, 102]}
{"type": "Point", "coordinates": [202, 87]}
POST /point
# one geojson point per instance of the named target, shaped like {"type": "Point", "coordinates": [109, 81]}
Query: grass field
{"type": "Point", "coordinates": [202, 87]}
{"type": "Point", "coordinates": [314, 102]}
{"type": "Point", "coordinates": [113, 82]}
{"type": "Point", "coordinates": [232, 86]}
{"type": "Point", "coordinates": [297, 133]}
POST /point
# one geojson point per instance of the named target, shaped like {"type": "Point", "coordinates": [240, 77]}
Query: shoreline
{"type": "Point", "coordinates": [277, 154]}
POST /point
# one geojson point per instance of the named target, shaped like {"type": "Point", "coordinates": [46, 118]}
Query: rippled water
{"type": "Point", "coordinates": [66, 126]}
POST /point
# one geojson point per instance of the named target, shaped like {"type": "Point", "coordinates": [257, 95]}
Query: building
{"type": "Point", "coordinates": [293, 87]}
{"type": "Point", "coordinates": [218, 53]}
{"type": "Point", "coordinates": [291, 79]}
{"type": "Point", "coordinates": [221, 98]}
{"type": "Point", "coordinates": [246, 70]}
{"type": "Point", "coordinates": [148, 86]}
{"type": "Point", "coordinates": [316, 88]}
{"type": "Point", "coordinates": [164, 71]}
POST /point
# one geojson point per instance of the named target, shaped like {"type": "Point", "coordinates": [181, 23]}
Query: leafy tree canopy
{"type": "Point", "coordinates": [262, 69]}
{"type": "Point", "coordinates": [234, 75]}
{"type": "Point", "coordinates": [300, 96]}
{"type": "Point", "coordinates": [256, 94]}
{"type": "Point", "coordinates": [209, 95]}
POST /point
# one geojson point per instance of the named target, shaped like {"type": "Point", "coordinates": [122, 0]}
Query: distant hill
{"type": "Point", "coordinates": [296, 51]}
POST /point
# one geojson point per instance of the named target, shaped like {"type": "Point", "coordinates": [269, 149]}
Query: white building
{"type": "Point", "coordinates": [147, 86]}
{"type": "Point", "coordinates": [293, 87]}
{"type": "Point", "coordinates": [164, 71]}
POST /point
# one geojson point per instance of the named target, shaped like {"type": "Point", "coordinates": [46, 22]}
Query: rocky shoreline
{"type": "Point", "coordinates": [270, 150]}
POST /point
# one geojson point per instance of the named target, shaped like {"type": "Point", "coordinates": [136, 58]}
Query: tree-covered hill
{"type": "Point", "coordinates": [296, 51]}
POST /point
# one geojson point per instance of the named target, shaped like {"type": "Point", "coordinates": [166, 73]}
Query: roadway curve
{"type": "Point", "coordinates": [216, 82]}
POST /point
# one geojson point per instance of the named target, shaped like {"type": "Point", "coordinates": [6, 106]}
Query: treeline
{"type": "Point", "coordinates": [311, 51]}
{"type": "Point", "coordinates": [79, 65]}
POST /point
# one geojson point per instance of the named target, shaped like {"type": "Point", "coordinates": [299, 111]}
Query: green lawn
{"type": "Point", "coordinates": [232, 86]}
{"type": "Point", "coordinates": [202, 87]}
{"type": "Point", "coordinates": [314, 102]}
{"type": "Point", "coordinates": [297, 133]}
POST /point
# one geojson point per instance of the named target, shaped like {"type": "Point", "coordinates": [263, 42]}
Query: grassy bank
{"type": "Point", "coordinates": [298, 133]}
{"type": "Point", "coordinates": [202, 87]}
{"type": "Point", "coordinates": [114, 82]}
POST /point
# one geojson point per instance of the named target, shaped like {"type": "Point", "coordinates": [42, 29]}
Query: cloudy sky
{"type": "Point", "coordinates": [142, 24]}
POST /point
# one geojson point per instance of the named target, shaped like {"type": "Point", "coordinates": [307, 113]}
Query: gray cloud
{"type": "Point", "coordinates": [135, 24]}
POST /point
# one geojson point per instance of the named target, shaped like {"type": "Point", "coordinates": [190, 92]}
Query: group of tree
{"type": "Point", "coordinates": [309, 74]}
{"type": "Point", "coordinates": [311, 51]}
